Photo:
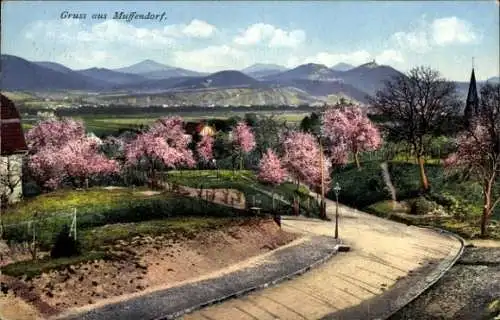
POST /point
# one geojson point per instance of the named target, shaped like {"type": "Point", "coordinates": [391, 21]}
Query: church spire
{"type": "Point", "coordinates": [472, 102]}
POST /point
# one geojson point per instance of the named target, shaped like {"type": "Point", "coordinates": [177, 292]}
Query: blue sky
{"type": "Point", "coordinates": [211, 36]}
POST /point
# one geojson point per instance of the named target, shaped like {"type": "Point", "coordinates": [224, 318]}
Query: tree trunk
{"type": "Point", "coordinates": [241, 161]}
{"type": "Point", "coordinates": [356, 158]}
{"type": "Point", "coordinates": [423, 176]}
{"type": "Point", "coordinates": [486, 209]}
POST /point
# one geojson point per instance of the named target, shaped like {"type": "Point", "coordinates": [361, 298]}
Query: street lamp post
{"type": "Point", "coordinates": [337, 191]}
{"type": "Point", "coordinates": [214, 162]}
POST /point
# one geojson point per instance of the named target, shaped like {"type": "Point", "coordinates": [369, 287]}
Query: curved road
{"type": "Point", "coordinates": [382, 252]}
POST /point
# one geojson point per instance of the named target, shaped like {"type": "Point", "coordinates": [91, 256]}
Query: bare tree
{"type": "Point", "coordinates": [415, 105]}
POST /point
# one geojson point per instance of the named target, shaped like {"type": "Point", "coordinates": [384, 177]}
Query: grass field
{"type": "Point", "coordinates": [107, 215]}
{"type": "Point", "coordinates": [112, 124]}
{"type": "Point", "coordinates": [366, 189]}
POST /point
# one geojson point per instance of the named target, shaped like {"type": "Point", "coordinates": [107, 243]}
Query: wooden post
{"type": "Point", "coordinates": [322, 207]}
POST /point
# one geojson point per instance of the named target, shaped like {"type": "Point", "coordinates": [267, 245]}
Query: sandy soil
{"type": "Point", "coordinates": [145, 263]}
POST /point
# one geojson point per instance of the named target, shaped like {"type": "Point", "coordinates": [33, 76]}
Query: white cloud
{"type": "Point", "coordinates": [413, 40]}
{"type": "Point", "coordinates": [452, 30]}
{"type": "Point", "coordinates": [103, 34]}
{"type": "Point", "coordinates": [90, 58]}
{"type": "Point", "coordinates": [195, 29]}
{"type": "Point", "coordinates": [389, 56]}
{"type": "Point", "coordinates": [439, 32]}
{"type": "Point", "coordinates": [112, 31]}
{"type": "Point", "coordinates": [274, 37]}
{"type": "Point", "coordinates": [212, 58]}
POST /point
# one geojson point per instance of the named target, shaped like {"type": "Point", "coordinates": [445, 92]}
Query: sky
{"type": "Point", "coordinates": [222, 35]}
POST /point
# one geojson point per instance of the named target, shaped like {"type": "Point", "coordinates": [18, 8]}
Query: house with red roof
{"type": "Point", "coordinates": [12, 151]}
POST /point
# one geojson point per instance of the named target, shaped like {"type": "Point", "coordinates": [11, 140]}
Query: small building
{"type": "Point", "coordinates": [199, 128]}
{"type": "Point", "coordinates": [12, 151]}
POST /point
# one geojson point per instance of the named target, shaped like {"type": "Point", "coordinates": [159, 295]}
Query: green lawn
{"type": "Point", "coordinates": [65, 200]}
{"type": "Point", "coordinates": [366, 189]}
{"type": "Point", "coordinates": [246, 182]}
{"type": "Point", "coordinates": [467, 228]}
{"type": "Point", "coordinates": [104, 216]}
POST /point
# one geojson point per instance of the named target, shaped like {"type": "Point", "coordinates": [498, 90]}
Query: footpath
{"type": "Point", "coordinates": [389, 264]}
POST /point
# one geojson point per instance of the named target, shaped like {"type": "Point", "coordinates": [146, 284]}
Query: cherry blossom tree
{"type": "Point", "coordinates": [59, 150]}
{"type": "Point", "coordinates": [54, 133]}
{"type": "Point", "coordinates": [165, 142]}
{"type": "Point", "coordinates": [302, 159]}
{"type": "Point", "coordinates": [243, 140]}
{"type": "Point", "coordinates": [479, 150]}
{"type": "Point", "coordinates": [350, 128]}
{"type": "Point", "coordinates": [204, 148]}
{"type": "Point", "coordinates": [270, 169]}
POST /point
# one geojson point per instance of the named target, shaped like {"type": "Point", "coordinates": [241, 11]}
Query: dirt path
{"type": "Point", "coordinates": [469, 291]}
{"type": "Point", "coordinates": [382, 252]}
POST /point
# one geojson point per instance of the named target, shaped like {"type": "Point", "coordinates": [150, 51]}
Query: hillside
{"type": "Point", "coordinates": [21, 74]}
{"type": "Point", "coordinates": [342, 67]}
{"type": "Point", "coordinates": [222, 79]}
{"type": "Point", "coordinates": [221, 97]}
{"type": "Point", "coordinates": [310, 71]}
{"type": "Point", "coordinates": [369, 77]}
{"type": "Point", "coordinates": [53, 66]}
{"type": "Point", "coordinates": [272, 84]}
{"type": "Point", "coordinates": [144, 66]}
{"type": "Point", "coordinates": [111, 76]}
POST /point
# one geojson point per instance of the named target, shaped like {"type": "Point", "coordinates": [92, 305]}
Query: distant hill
{"type": "Point", "coordinates": [308, 83]}
{"type": "Point", "coordinates": [369, 77]}
{"type": "Point", "coordinates": [262, 67]}
{"type": "Point", "coordinates": [222, 79]}
{"type": "Point", "coordinates": [21, 74]}
{"type": "Point", "coordinates": [152, 85]}
{"type": "Point", "coordinates": [111, 76]}
{"type": "Point", "coordinates": [171, 73]}
{"type": "Point", "coordinates": [261, 70]}
{"type": "Point", "coordinates": [494, 80]}
{"type": "Point", "coordinates": [310, 71]}
{"type": "Point", "coordinates": [53, 66]}
{"type": "Point", "coordinates": [319, 88]}
{"type": "Point", "coordinates": [342, 67]}
{"type": "Point", "coordinates": [144, 67]}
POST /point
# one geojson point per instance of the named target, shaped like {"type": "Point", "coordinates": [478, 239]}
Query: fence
{"type": "Point", "coordinates": [26, 238]}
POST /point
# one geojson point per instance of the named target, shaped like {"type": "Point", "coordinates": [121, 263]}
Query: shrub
{"type": "Point", "coordinates": [65, 245]}
{"type": "Point", "coordinates": [421, 206]}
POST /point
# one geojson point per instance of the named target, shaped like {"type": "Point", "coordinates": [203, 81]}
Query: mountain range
{"type": "Point", "coordinates": [256, 84]}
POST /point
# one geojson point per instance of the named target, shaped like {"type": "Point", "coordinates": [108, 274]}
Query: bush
{"type": "Point", "coordinates": [460, 209]}
{"type": "Point", "coordinates": [64, 245]}
{"type": "Point", "coordinates": [421, 206]}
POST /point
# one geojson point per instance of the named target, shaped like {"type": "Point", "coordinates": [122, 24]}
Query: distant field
{"type": "Point", "coordinates": [110, 124]}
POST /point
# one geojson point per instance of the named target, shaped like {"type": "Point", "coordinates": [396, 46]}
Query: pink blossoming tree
{"type": "Point", "coordinates": [350, 128]}
{"type": "Point", "coordinates": [59, 150]}
{"type": "Point", "coordinates": [54, 133]}
{"type": "Point", "coordinates": [302, 159]}
{"type": "Point", "coordinates": [204, 148]}
{"type": "Point", "coordinates": [270, 169]}
{"type": "Point", "coordinates": [479, 150]}
{"type": "Point", "coordinates": [165, 142]}
{"type": "Point", "coordinates": [243, 140]}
